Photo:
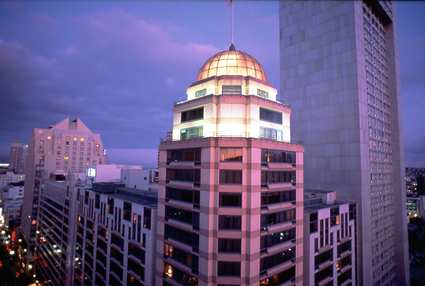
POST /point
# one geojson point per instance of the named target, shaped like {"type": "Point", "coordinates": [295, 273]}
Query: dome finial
{"type": "Point", "coordinates": [232, 47]}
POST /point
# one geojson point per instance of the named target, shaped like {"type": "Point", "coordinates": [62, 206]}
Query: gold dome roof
{"type": "Point", "coordinates": [232, 62]}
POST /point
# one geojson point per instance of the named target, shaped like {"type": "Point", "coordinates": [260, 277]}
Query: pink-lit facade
{"type": "Point", "coordinates": [231, 183]}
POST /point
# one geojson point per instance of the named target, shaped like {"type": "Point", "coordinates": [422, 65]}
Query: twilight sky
{"type": "Point", "coordinates": [119, 66]}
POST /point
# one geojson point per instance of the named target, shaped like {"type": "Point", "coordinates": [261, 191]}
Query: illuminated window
{"type": "Point", "coordinates": [82, 139]}
{"type": "Point", "coordinates": [168, 250]}
{"type": "Point", "coordinates": [192, 132]}
{"type": "Point", "coordinates": [49, 137]}
{"type": "Point", "coordinates": [231, 154]}
{"type": "Point", "coordinates": [168, 270]}
{"type": "Point", "coordinates": [75, 138]}
{"type": "Point", "coordinates": [262, 93]}
{"type": "Point", "coordinates": [200, 93]}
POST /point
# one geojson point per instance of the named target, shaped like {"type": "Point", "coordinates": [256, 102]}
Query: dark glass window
{"type": "Point", "coordinates": [184, 175]}
{"type": "Point", "coordinates": [181, 256]}
{"type": "Point", "coordinates": [323, 257]}
{"type": "Point", "coordinates": [277, 238]}
{"type": "Point", "coordinates": [230, 200]}
{"type": "Point", "coordinates": [186, 196]}
{"type": "Point", "coordinates": [193, 114]}
{"type": "Point", "coordinates": [270, 116]}
{"type": "Point", "coordinates": [323, 274]}
{"type": "Point", "coordinates": [136, 251]}
{"type": "Point", "coordinates": [97, 201]}
{"type": "Point", "coordinates": [344, 277]}
{"type": "Point", "coordinates": [346, 246]}
{"type": "Point", "coordinates": [231, 154]}
{"type": "Point", "coordinates": [313, 222]}
{"type": "Point", "coordinates": [280, 278]}
{"type": "Point", "coordinates": [229, 268]}
{"type": "Point", "coordinates": [229, 222]}
{"type": "Point", "coordinates": [136, 267]}
{"type": "Point", "coordinates": [276, 259]}
{"type": "Point", "coordinates": [184, 216]}
{"type": "Point", "coordinates": [276, 177]}
{"type": "Point", "coordinates": [229, 245]}
{"type": "Point", "coordinates": [147, 218]}
{"type": "Point", "coordinates": [232, 89]}
{"type": "Point", "coordinates": [185, 155]}
{"type": "Point", "coordinates": [277, 156]}
{"type": "Point", "coordinates": [278, 217]}
{"type": "Point", "coordinates": [117, 255]}
{"type": "Point", "coordinates": [230, 177]}
{"type": "Point", "coordinates": [110, 205]}
{"type": "Point", "coordinates": [127, 211]}
{"type": "Point", "coordinates": [182, 236]}
{"type": "Point", "coordinates": [117, 240]}
{"type": "Point", "coordinates": [277, 197]}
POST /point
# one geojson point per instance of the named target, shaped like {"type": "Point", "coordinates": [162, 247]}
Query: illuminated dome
{"type": "Point", "coordinates": [232, 62]}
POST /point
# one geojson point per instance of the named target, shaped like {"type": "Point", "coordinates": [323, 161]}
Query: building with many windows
{"type": "Point", "coordinates": [116, 236]}
{"type": "Point", "coordinates": [329, 240]}
{"type": "Point", "coordinates": [231, 183]}
{"type": "Point", "coordinates": [11, 198]}
{"type": "Point", "coordinates": [68, 146]}
{"type": "Point", "coordinates": [339, 74]}
{"type": "Point", "coordinates": [17, 156]}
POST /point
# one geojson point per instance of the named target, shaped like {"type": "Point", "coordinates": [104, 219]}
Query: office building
{"type": "Point", "coordinates": [55, 237]}
{"type": "Point", "coordinates": [329, 240]}
{"type": "Point", "coordinates": [11, 198]}
{"type": "Point", "coordinates": [18, 153]}
{"type": "Point", "coordinates": [339, 74]}
{"type": "Point", "coordinates": [415, 206]}
{"type": "Point", "coordinates": [116, 236]}
{"type": "Point", "coordinates": [10, 177]}
{"type": "Point", "coordinates": [231, 183]}
{"type": "Point", "coordinates": [68, 146]}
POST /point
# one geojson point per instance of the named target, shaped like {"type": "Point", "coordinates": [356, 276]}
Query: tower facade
{"type": "Point", "coordinates": [231, 183]}
{"type": "Point", "coordinates": [18, 153]}
{"type": "Point", "coordinates": [68, 146]}
{"type": "Point", "coordinates": [339, 74]}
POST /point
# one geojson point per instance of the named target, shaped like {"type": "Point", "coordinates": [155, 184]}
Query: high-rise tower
{"type": "Point", "coordinates": [68, 146]}
{"type": "Point", "coordinates": [231, 184]}
{"type": "Point", "coordinates": [339, 74]}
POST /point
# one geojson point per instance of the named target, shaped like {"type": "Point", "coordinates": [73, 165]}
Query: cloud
{"type": "Point", "coordinates": [108, 70]}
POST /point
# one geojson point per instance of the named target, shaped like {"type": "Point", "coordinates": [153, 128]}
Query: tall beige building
{"type": "Point", "coordinates": [231, 183]}
{"type": "Point", "coordinates": [339, 74]}
{"type": "Point", "coordinates": [68, 146]}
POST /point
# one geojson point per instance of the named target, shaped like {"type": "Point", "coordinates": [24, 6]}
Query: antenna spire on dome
{"type": "Point", "coordinates": [232, 47]}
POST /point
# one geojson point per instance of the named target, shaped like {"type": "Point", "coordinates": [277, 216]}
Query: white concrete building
{"type": "Point", "coordinates": [329, 240]}
{"type": "Point", "coordinates": [115, 242]}
{"type": "Point", "coordinates": [339, 74]}
{"type": "Point", "coordinates": [68, 146]}
{"type": "Point", "coordinates": [10, 177]}
{"type": "Point", "coordinates": [12, 197]}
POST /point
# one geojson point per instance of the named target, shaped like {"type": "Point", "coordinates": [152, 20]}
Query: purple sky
{"type": "Point", "coordinates": [120, 66]}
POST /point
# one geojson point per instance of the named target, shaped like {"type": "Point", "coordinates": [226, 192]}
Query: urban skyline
{"type": "Point", "coordinates": [50, 59]}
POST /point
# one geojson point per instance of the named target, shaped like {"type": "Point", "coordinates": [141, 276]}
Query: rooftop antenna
{"type": "Point", "coordinates": [232, 28]}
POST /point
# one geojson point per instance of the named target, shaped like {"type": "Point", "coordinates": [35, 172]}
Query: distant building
{"type": "Point", "coordinates": [17, 157]}
{"type": "Point", "coordinates": [68, 146]}
{"type": "Point", "coordinates": [420, 181]}
{"type": "Point", "coordinates": [115, 242]}
{"type": "Point", "coordinates": [231, 183]}
{"type": "Point", "coordinates": [329, 240]}
{"type": "Point", "coordinates": [415, 206]}
{"type": "Point", "coordinates": [55, 237]}
{"type": "Point", "coordinates": [10, 177]}
{"type": "Point", "coordinates": [12, 197]}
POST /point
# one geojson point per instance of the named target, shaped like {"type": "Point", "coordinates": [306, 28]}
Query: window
{"type": "Point", "coordinates": [271, 133]}
{"type": "Point", "coordinates": [231, 154]}
{"type": "Point", "coordinates": [280, 278]}
{"type": "Point", "coordinates": [229, 222]}
{"type": "Point", "coordinates": [229, 245]}
{"type": "Point", "coordinates": [277, 156]}
{"type": "Point", "coordinates": [147, 218]}
{"type": "Point", "coordinates": [276, 259]}
{"type": "Point", "coordinates": [229, 268]}
{"type": "Point", "coordinates": [192, 132]}
{"type": "Point", "coordinates": [277, 197]}
{"type": "Point", "coordinates": [262, 93]}
{"type": "Point", "coordinates": [127, 211]}
{"type": "Point", "coordinates": [277, 177]}
{"type": "Point", "coordinates": [187, 196]}
{"type": "Point", "coordinates": [277, 217]}
{"type": "Point", "coordinates": [230, 200]}
{"type": "Point", "coordinates": [230, 177]}
{"type": "Point", "coordinates": [193, 114]}
{"type": "Point", "coordinates": [231, 89]}
{"type": "Point", "coordinates": [201, 92]}
{"type": "Point", "coordinates": [186, 237]}
{"type": "Point", "coordinates": [185, 155]}
{"type": "Point", "coordinates": [184, 175]}
{"type": "Point", "coordinates": [270, 116]}
{"type": "Point", "coordinates": [183, 216]}
{"type": "Point", "coordinates": [277, 238]}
